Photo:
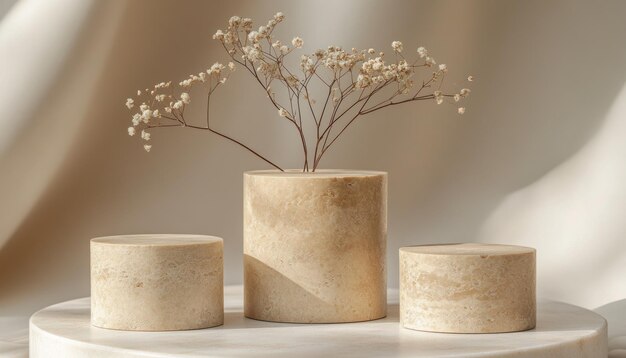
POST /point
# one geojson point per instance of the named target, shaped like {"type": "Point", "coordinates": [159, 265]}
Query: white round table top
{"type": "Point", "coordinates": [562, 330]}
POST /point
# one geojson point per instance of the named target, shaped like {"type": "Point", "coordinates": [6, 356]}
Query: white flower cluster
{"type": "Point", "coordinates": [397, 46]}
{"type": "Point", "coordinates": [307, 64]}
{"type": "Point", "coordinates": [148, 109]}
{"type": "Point", "coordinates": [280, 48]}
{"type": "Point", "coordinates": [252, 53]}
{"type": "Point", "coordinates": [463, 93]}
{"type": "Point", "coordinates": [423, 54]}
{"type": "Point", "coordinates": [234, 24]}
{"type": "Point", "coordinates": [297, 42]}
{"type": "Point", "coordinates": [154, 101]}
{"type": "Point", "coordinates": [215, 70]}
{"type": "Point", "coordinates": [375, 70]}
{"type": "Point", "coordinates": [240, 35]}
{"type": "Point", "coordinates": [335, 58]}
{"type": "Point", "coordinates": [439, 97]}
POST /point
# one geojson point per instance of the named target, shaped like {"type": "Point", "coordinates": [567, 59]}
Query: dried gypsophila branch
{"type": "Point", "coordinates": [356, 80]}
{"type": "Point", "coordinates": [160, 110]}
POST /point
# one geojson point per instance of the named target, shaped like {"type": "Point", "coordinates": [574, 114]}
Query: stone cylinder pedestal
{"type": "Point", "coordinates": [467, 288]}
{"type": "Point", "coordinates": [157, 282]}
{"type": "Point", "coordinates": [314, 246]}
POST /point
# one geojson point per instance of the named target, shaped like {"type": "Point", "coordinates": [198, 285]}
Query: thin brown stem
{"type": "Point", "coordinates": [326, 147]}
{"type": "Point", "coordinates": [208, 127]}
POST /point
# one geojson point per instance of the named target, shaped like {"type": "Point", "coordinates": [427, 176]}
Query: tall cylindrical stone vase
{"type": "Point", "coordinates": [314, 246]}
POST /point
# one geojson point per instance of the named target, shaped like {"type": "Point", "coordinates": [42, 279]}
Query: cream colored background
{"type": "Point", "coordinates": [538, 159]}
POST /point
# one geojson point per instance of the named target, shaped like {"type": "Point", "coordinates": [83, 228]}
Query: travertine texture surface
{"type": "Point", "coordinates": [467, 288]}
{"type": "Point", "coordinates": [157, 282]}
{"type": "Point", "coordinates": [314, 246]}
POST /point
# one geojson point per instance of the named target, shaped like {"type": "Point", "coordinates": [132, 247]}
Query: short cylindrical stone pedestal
{"type": "Point", "coordinates": [157, 282]}
{"type": "Point", "coordinates": [314, 246]}
{"type": "Point", "coordinates": [467, 288]}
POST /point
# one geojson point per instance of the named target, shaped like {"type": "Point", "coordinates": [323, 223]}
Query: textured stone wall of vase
{"type": "Point", "coordinates": [315, 246]}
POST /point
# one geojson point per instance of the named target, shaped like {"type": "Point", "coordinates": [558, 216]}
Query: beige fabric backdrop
{"type": "Point", "coordinates": [537, 160]}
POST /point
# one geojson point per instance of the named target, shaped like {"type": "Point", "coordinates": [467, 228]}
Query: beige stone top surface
{"type": "Point", "coordinates": [156, 240]}
{"type": "Point", "coordinates": [320, 173]}
{"type": "Point", "coordinates": [468, 249]}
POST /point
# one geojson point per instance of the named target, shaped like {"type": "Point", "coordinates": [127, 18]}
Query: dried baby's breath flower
{"type": "Point", "coordinates": [219, 35]}
{"type": "Point", "coordinates": [422, 52]}
{"type": "Point", "coordinates": [397, 46]}
{"type": "Point", "coordinates": [146, 115]}
{"type": "Point", "coordinates": [252, 54]}
{"type": "Point", "coordinates": [147, 147]}
{"type": "Point", "coordinates": [297, 42]}
{"type": "Point", "coordinates": [354, 82]}
{"type": "Point", "coordinates": [306, 63]}
{"type": "Point", "coordinates": [246, 23]}
{"type": "Point", "coordinates": [438, 97]}
{"type": "Point", "coordinates": [470, 78]}
{"type": "Point", "coordinates": [234, 21]}
{"type": "Point", "coordinates": [254, 36]}
{"type": "Point", "coordinates": [136, 119]}
{"type": "Point", "coordinates": [216, 69]}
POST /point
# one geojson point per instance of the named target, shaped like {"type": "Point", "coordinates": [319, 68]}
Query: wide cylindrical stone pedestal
{"type": "Point", "coordinates": [467, 288]}
{"type": "Point", "coordinates": [314, 246]}
{"type": "Point", "coordinates": [157, 282]}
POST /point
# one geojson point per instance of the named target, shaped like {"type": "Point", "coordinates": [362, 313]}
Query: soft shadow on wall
{"type": "Point", "coordinates": [574, 216]}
